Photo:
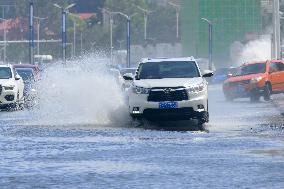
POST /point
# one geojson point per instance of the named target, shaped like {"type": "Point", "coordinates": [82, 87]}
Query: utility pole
{"type": "Point", "coordinates": [177, 8]}
{"type": "Point", "coordinates": [145, 13]}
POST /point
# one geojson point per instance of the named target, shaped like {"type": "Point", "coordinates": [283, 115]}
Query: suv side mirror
{"type": "Point", "coordinates": [207, 73]}
{"type": "Point", "coordinates": [229, 75]}
{"type": "Point", "coordinates": [128, 77]}
{"type": "Point", "coordinates": [17, 77]}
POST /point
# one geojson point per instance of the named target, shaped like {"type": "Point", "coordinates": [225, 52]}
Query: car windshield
{"type": "Point", "coordinates": [26, 73]}
{"type": "Point", "coordinates": [167, 69]}
{"type": "Point", "coordinates": [251, 69]}
{"type": "Point", "coordinates": [5, 73]}
{"type": "Point", "coordinates": [131, 70]}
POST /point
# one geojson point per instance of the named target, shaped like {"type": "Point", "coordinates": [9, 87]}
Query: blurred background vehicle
{"type": "Point", "coordinates": [43, 61]}
{"type": "Point", "coordinates": [30, 75]}
{"type": "Point", "coordinates": [11, 88]}
{"type": "Point", "coordinates": [256, 79]}
{"type": "Point", "coordinates": [221, 74]}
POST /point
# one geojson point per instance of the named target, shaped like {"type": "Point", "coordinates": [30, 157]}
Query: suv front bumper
{"type": "Point", "coordinates": [194, 108]}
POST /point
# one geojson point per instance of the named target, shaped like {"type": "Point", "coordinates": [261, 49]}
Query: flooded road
{"type": "Point", "coordinates": [242, 147]}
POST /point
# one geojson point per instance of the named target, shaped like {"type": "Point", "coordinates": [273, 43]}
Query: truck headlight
{"type": "Point", "coordinates": [140, 90]}
{"type": "Point", "coordinates": [9, 88]}
{"type": "Point", "coordinates": [256, 79]}
{"type": "Point", "coordinates": [196, 88]}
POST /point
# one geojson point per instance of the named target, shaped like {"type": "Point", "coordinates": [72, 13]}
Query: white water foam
{"type": "Point", "coordinates": [256, 50]}
{"type": "Point", "coordinates": [81, 92]}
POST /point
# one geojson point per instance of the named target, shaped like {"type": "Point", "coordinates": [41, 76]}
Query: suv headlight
{"type": "Point", "coordinates": [9, 88]}
{"type": "Point", "coordinates": [256, 79]}
{"type": "Point", "coordinates": [140, 90]}
{"type": "Point", "coordinates": [196, 88]}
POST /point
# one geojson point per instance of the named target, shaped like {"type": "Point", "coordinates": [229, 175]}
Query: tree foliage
{"type": "Point", "coordinates": [161, 22]}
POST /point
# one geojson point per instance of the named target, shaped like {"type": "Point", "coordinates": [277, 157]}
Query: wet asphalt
{"type": "Point", "coordinates": [241, 147]}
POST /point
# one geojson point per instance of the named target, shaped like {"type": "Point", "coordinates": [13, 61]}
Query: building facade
{"type": "Point", "coordinates": [232, 21]}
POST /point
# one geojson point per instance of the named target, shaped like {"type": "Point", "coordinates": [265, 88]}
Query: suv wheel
{"type": "Point", "coordinates": [202, 120]}
{"type": "Point", "coordinates": [254, 96]}
{"type": "Point", "coordinates": [267, 92]}
{"type": "Point", "coordinates": [200, 124]}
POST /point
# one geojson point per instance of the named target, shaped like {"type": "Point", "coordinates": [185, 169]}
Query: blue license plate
{"type": "Point", "coordinates": [164, 105]}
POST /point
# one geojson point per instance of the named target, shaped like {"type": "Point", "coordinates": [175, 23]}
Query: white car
{"type": "Point", "coordinates": [11, 87]}
{"type": "Point", "coordinates": [169, 89]}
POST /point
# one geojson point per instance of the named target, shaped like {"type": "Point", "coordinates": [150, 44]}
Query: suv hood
{"type": "Point", "coordinates": [244, 77]}
{"type": "Point", "coordinates": [7, 82]}
{"type": "Point", "coordinates": [168, 82]}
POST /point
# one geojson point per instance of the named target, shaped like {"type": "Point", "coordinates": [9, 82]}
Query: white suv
{"type": "Point", "coordinates": [169, 89]}
{"type": "Point", "coordinates": [11, 87]}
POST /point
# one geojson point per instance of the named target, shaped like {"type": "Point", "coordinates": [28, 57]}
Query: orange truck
{"type": "Point", "coordinates": [256, 79]}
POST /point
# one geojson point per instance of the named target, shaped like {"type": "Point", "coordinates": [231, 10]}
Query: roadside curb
{"type": "Point", "coordinates": [278, 102]}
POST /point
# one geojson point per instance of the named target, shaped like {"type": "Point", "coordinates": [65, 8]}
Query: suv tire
{"type": "Point", "coordinates": [254, 96]}
{"type": "Point", "coordinates": [267, 92]}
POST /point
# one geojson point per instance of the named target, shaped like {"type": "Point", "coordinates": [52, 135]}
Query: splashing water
{"type": "Point", "coordinates": [256, 50]}
{"type": "Point", "coordinates": [81, 92]}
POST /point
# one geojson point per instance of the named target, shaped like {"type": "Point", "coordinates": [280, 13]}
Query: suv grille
{"type": "Point", "coordinates": [243, 82]}
{"type": "Point", "coordinates": [167, 94]}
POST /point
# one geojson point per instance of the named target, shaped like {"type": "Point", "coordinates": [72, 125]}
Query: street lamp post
{"type": "Point", "coordinates": [128, 41]}
{"type": "Point", "coordinates": [146, 13]}
{"type": "Point", "coordinates": [128, 36]}
{"type": "Point", "coordinates": [38, 31]}
{"type": "Point", "coordinates": [111, 32]}
{"type": "Point", "coordinates": [31, 32]}
{"type": "Point", "coordinates": [5, 40]}
{"type": "Point", "coordinates": [210, 30]}
{"type": "Point", "coordinates": [111, 38]}
{"type": "Point", "coordinates": [177, 7]}
{"type": "Point", "coordinates": [276, 31]}
{"type": "Point", "coordinates": [74, 38]}
{"type": "Point", "coordinates": [5, 30]}
{"type": "Point", "coordinates": [120, 43]}
{"type": "Point", "coordinates": [74, 32]}
{"type": "Point", "coordinates": [64, 35]}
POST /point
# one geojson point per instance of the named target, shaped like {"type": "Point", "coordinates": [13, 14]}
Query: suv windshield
{"type": "Point", "coordinates": [167, 69]}
{"type": "Point", "coordinates": [5, 73]}
{"type": "Point", "coordinates": [251, 69]}
{"type": "Point", "coordinates": [27, 74]}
